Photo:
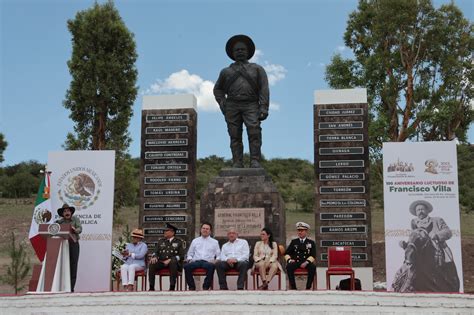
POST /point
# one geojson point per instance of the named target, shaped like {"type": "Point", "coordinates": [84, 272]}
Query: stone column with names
{"type": "Point", "coordinates": [341, 153]}
{"type": "Point", "coordinates": [168, 166]}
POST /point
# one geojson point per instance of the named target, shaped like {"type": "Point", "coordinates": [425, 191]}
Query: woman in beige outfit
{"type": "Point", "coordinates": [265, 256]}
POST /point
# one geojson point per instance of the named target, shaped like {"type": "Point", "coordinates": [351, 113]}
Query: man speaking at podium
{"type": "Point", "coordinates": [66, 213]}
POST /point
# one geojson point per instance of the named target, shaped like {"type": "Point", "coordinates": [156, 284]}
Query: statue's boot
{"type": "Point", "coordinates": [255, 144]}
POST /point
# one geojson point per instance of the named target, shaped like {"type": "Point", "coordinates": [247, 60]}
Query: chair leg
{"type": "Point", "coordinates": [117, 278]}
{"type": "Point", "coordinates": [328, 282]}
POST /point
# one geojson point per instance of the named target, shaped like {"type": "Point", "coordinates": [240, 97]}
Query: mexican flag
{"type": "Point", "coordinates": [41, 214]}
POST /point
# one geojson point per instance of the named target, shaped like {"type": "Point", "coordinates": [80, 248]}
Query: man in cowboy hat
{"type": "Point", "coordinates": [134, 256]}
{"type": "Point", "coordinates": [444, 278]}
{"type": "Point", "coordinates": [301, 253]}
{"type": "Point", "coordinates": [243, 97]}
{"type": "Point", "coordinates": [169, 253]}
{"type": "Point", "coordinates": [66, 217]}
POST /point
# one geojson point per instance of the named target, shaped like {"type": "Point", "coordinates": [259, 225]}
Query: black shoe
{"type": "Point", "coordinates": [192, 288]}
{"type": "Point", "coordinates": [151, 288]}
{"type": "Point", "coordinates": [224, 288]}
{"type": "Point", "coordinates": [205, 288]}
{"type": "Point", "coordinates": [172, 287]}
{"type": "Point", "coordinates": [240, 288]}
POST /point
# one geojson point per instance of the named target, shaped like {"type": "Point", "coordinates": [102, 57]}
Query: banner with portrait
{"type": "Point", "coordinates": [85, 180]}
{"type": "Point", "coordinates": [422, 220]}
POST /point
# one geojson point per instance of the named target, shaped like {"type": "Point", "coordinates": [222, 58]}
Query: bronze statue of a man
{"type": "Point", "coordinates": [243, 96]}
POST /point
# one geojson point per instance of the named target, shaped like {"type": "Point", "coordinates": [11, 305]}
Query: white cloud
{"type": "Point", "coordinates": [275, 72]}
{"type": "Point", "coordinates": [184, 82]}
{"type": "Point", "coordinates": [341, 48]}
{"type": "Point", "coordinates": [256, 56]}
{"type": "Point", "coordinates": [274, 106]}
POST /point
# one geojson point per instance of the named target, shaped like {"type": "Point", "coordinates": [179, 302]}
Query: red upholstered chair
{"type": "Point", "coordinates": [256, 278]}
{"type": "Point", "coordinates": [200, 272]}
{"type": "Point", "coordinates": [235, 272]}
{"type": "Point", "coordinates": [304, 272]}
{"type": "Point", "coordinates": [165, 272]}
{"type": "Point", "coordinates": [138, 274]}
{"type": "Point", "coordinates": [340, 263]}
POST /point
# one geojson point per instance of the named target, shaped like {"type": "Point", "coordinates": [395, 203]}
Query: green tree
{"type": "Point", "coordinates": [465, 175]}
{"type": "Point", "coordinates": [19, 267]}
{"type": "Point", "coordinates": [304, 196]}
{"type": "Point", "coordinates": [126, 182]}
{"type": "Point", "coordinates": [416, 63]}
{"type": "Point", "coordinates": [102, 90]}
{"type": "Point", "coordinates": [3, 146]}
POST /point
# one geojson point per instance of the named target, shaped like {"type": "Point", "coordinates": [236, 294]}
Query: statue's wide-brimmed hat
{"type": "Point", "coordinates": [240, 38]}
{"type": "Point", "coordinates": [138, 233]}
{"type": "Point", "coordinates": [413, 205]}
{"type": "Point", "coordinates": [171, 227]}
{"type": "Point", "coordinates": [66, 206]}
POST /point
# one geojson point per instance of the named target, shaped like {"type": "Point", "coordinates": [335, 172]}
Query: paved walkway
{"type": "Point", "coordinates": [238, 302]}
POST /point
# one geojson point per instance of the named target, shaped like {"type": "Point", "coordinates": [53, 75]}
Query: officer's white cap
{"type": "Point", "coordinates": [302, 226]}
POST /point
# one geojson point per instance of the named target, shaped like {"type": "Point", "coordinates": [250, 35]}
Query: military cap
{"type": "Point", "coordinates": [171, 227]}
{"type": "Point", "coordinates": [302, 226]}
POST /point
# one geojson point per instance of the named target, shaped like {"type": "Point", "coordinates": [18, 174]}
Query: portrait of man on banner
{"type": "Point", "coordinates": [429, 264]}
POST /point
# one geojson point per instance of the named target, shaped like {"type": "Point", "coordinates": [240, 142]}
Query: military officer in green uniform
{"type": "Point", "coordinates": [301, 253]}
{"type": "Point", "coordinates": [169, 253]}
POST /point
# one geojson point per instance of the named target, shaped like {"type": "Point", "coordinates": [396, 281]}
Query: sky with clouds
{"type": "Point", "coordinates": [181, 49]}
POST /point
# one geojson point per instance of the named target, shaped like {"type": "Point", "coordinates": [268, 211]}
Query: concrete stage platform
{"type": "Point", "coordinates": [238, 302]}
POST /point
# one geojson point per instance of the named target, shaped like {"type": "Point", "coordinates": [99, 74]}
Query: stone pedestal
{"type": "Point", "coordinates": [247, 199]}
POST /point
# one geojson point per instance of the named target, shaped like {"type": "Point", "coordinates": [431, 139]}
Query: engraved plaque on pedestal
{"type": "Point", "coordinates": [248, 221]}
{"type": "Point", "coordinates": [168, 166]}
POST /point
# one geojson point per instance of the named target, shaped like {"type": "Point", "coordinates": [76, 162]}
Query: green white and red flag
{"type": "Point", "coordinates": [41, 214]}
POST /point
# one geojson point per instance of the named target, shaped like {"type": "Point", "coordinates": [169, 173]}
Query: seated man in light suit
{"type": "Point", "coordinates": [234, 254]}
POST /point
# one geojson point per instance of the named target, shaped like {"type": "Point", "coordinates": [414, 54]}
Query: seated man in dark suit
{"type": "Point", "coordinates": [301, 253]}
